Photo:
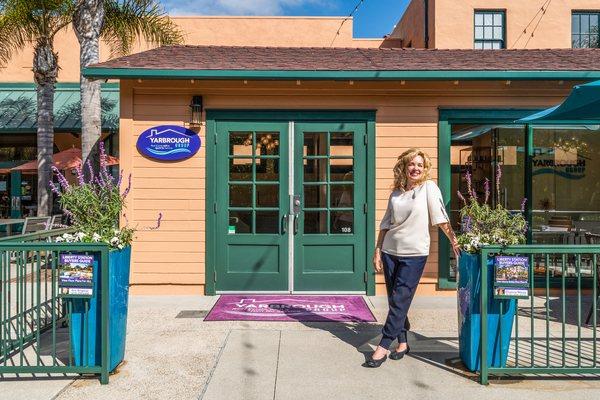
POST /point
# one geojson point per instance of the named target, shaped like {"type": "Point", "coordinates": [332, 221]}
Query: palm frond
{"type": "Point", "coordinates": [129, 20]}
{"type": "Point", "coordinates": [26, 21]}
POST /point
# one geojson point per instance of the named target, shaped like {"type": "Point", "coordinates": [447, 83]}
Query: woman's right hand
{"type": "Point", "coordinates": [377, 263]}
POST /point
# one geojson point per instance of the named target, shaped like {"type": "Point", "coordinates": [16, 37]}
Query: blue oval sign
{"type": "Point", "coordinates": [168, 143]}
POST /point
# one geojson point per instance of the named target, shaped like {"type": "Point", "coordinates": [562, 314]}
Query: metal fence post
{"type": "Point", "coordinates": [105, 315]}
{"type": "Point", "coordinates": [483, 336]}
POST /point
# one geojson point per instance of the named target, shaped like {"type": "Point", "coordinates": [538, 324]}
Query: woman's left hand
{"type": "Point", "coordinates": [456, 249]}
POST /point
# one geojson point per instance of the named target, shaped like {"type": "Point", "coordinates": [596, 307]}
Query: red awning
{"type": "Point", "coordinates": [64, 160]}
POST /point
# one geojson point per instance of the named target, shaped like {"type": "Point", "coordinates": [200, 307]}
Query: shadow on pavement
{"type": "Point", "coordinates": [364, 337]}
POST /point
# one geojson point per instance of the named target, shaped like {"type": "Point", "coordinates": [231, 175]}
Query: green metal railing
{"type": "Point", "coordinates": [549, 335]}
{"type": "Point", "coordinates": [34, 319]}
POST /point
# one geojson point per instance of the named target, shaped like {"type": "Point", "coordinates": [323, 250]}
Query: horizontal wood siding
{"type": "Point", "coordinates": [175, 254]}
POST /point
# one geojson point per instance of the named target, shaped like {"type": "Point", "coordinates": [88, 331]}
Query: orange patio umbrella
{"type": "Point", "coordinates": [63, 160]}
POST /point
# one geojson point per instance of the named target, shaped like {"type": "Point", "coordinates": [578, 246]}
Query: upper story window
{"type": "Point", "coordinates": [584, 29]}
{"type": "Point", "coordinates": [489, 29]}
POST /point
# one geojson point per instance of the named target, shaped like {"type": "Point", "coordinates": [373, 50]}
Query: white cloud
{"type": "Point", "coordinates": [232, 7]}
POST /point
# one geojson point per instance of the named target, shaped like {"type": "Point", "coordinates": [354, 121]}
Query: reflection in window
{"type": "Point", "coordinates": [240, 222]}
{"type": "Point", "coordinates": [489, 29]}
{"type": "Point", "coordinates": [584, 29]}
{"type": "Point", "coordinates": [267, 222]}
{"type": "Point", "coordinates": [315, 222]}
{"type": "Point", "coordinates": [342, 222]}
{"type": "Point", "coordinates": [566, 184]}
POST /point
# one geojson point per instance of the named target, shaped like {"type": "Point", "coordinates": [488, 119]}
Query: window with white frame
{"type": "Point", "coordinates": [490, 29]}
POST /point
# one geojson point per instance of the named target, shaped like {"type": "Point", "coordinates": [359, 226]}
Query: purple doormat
{"type": "Point", "coordinates": [290, 308]}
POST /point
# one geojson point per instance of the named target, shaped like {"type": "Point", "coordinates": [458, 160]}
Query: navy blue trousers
{"type": "Point", "coordinates": [402, 275]}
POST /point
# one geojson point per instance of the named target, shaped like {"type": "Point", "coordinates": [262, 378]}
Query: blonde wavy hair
{"type": "Point", "coordinates": [400, 173]}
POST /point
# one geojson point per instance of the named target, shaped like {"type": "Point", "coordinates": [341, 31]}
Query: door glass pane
{"type": "Point", "coordinates": [267, 169]}
{"type": "Point", "coordinates": [315, 196]}
{"type": "Point", "coordinates": [240, 169]}
{"type": "Point", "coordinates": [267, 222]}
{"type": "Point", "coordinates": [315, 143]}
{"type": "Point", "coordinates": [315, 222]}
{"type": "Point", "coordinates": [267, 196]}
{"type": "Point", "coordinates": [341, 170]}
{"type": "Point", "coordinates": [342, 196]}
{"type": "Point", "coordinates": [240, 222]}
{"type": "Point", "coordinates": [342, 222]}
{"type": "Point", "coordinates": [315, 170]}
{"type": "Point", "coordinates": [240, 195]}
{"type": "Point", "coordinates": [240, 143]}
{"type": "Point", "coordinates": [267, 143]}
{"type": "Point", "coordinates": [341, 144]}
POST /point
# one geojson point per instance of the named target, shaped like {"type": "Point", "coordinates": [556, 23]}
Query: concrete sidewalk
{"type": "Point", "coordinates": [173, 354]}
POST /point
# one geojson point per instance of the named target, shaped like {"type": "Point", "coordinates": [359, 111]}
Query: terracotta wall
{"type": "Point", "coordinates": [216, 31]}
{"type": "Point", "coordinates": [411, 28]}
{"type": "Point", "coordinates": [526, 25]}
{"type": "Point", "coordinates": [171, 260]}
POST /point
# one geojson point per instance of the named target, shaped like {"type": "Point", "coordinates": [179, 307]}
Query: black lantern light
{"type": "Point", "coordinates": [196, 111]}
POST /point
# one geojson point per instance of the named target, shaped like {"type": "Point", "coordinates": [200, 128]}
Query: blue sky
{"type": "Point", "coordinates": [373, 19]}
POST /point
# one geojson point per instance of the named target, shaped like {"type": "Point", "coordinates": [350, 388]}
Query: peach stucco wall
{"type": "Point", "coordinates": [217, 31]}
{"type": "Point", "coordinates": [172, 259]}
{"type": "Point", "coordinates": [526, 25]}
{"type": "Point", "coordinates": [411, 28]}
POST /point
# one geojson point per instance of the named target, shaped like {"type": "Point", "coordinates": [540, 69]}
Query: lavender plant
{"type": "Point", "coordinates": [485, 225]}
{"type": "Point", "coordinates": [95, 205]}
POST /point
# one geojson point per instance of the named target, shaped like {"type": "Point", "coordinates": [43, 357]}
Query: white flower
{"type": "Point", "coordinates": [114, 241]}
{"type": "Point", "coordinates": [59, 239]}
{"type": "Point", "coordinates": [96, 237]}
{"type": "Point", "coordinates": [120, 246]}
{"type": "Point", "coordinates": [80, 235]}
{"type": "Point", "coordinates": [68, 237]}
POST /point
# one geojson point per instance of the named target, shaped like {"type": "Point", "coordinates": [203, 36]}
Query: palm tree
{"type": "Point", "coordinates": [119, 23]}
{"type": "Point", "coordinates": [25, 22]}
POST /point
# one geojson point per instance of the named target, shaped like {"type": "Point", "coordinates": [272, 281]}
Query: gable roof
{"type": "Point", "coordinates": [226, 62]}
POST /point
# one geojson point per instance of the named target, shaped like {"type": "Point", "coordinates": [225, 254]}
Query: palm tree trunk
{"type": "Point", "coordinates": [87, 21]}
{"type": "Point", "coordinates": [45, 69]}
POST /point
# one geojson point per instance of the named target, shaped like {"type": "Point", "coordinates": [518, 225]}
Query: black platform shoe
{"type": "Point", "coordinates": [397, 355]}
{"type": "Point", "coordinates": [372, 363]}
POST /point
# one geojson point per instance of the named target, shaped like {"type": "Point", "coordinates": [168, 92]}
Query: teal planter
{"type": "Point", "coordinates": [469, 316]}
{"type": "Point", "coordinates": [85, 326]}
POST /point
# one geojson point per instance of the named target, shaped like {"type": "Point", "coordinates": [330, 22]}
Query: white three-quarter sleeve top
{"type": "Point", "coordinates": [407, 217]}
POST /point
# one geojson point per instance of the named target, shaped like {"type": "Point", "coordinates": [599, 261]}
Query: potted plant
{"type": "Point", "coordinates": [483, 225]}
{"type": "Point", "coordinates": [94, 204]}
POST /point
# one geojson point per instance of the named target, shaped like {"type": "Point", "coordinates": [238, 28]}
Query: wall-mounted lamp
{"type": "Point", "coordinates": [196, 111]}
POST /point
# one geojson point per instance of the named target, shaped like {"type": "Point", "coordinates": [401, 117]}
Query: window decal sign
{"type": "Point", "coordinates": [168, 143]}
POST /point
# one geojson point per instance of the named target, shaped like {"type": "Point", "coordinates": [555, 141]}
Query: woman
{"type": "Point", "coordinates": [403, 245]}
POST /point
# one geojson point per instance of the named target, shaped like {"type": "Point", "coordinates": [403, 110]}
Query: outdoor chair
{"type": "Point", "coordinates": [35, 224]}
{"type": "Point", "coordinates": [594, 238]}
{"type": "Point", "coordinates": [57, 221]}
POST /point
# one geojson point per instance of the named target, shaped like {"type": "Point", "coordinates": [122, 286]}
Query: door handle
{"type": "Point", "coordinates": [296, 217]}
{"type": "Point", "coordinates": [284, 223]}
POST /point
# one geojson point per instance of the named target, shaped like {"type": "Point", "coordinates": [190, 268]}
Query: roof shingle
{"type": "Point", "coordinates": [351, 59]}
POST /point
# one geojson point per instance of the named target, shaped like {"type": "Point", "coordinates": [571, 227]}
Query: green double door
{"type": "Point", "coordinates": [290, 206]}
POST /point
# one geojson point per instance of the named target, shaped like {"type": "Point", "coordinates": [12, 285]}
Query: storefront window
{"type": "Point", "coordinates": [565, 183]}
{"type": "Point", "coordinates": [479, 149]}
{"type": "Point", "coordinates": [564, 179]}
